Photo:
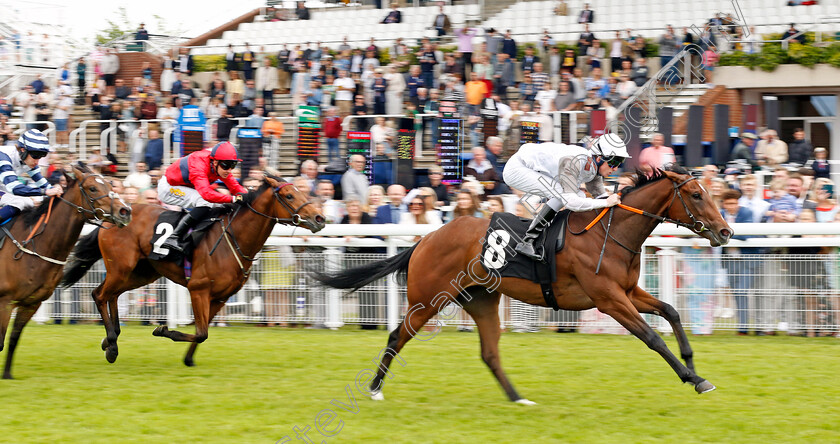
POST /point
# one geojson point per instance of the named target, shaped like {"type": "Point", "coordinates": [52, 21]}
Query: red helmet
{"type": "Point", "coordinates": [224, 151]}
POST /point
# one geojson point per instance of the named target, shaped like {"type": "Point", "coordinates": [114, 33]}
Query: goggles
{"type": "Point", "coordinates": [37, 154]}
{"type": "Point", "coordinates": [614, 161]}
{"type": "Point", "coordinates": [227, 164]}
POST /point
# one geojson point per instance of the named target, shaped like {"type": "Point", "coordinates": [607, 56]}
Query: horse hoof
{"type": "Point", "coordinates": [160, 331]}
{"type": "Point", "coordinates": [524, 401]}
{"type": "Point", "coordinates": [111, 354]}
{"type": "Point", "coordinates": [704, 387]}
{"type": "Point", "coordinates": [189, 363]}
{"type": "Point", "coordinates": [8, 377]}
{"type": "Point", "coordinates": [105, 344]}
{"type": "Point", "coordinates": [377, 396]}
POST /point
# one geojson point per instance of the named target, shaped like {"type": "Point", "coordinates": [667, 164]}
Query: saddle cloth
{"type": "Point", "coordinates": [165, 225]}
{"type": "Point", "coordinates": [504, 234]}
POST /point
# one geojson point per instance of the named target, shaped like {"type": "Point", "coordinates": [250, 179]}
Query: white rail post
{"type": "Point", "coordinates": [393, 309]}
{"type": "Point", "coordinates": [332, 263]}
{"type": "Point", "coordinates": [667, 283]}
{"type": "Point", "coordinates": [172, 296]}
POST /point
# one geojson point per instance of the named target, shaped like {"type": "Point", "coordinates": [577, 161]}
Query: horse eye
{"type": "Point", "coordinates": [92, 188]}
{"type": "Point", "coordinates": [697, 196]}
{"type": "Point", "coordinates": [289, 196]}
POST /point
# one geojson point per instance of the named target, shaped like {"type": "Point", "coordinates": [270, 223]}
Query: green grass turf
{"type": "Point", "coordinates": [252, 385]}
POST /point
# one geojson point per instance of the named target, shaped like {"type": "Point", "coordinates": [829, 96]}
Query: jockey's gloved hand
{"type": "Point", "coordinates": [238, 198]}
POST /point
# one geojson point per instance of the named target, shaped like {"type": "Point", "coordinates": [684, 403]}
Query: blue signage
{"type": "Point", "coordinates": [191, 119]}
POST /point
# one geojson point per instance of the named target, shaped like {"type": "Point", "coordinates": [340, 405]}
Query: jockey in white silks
{"type": "Point", "coordinates": [556, 171]}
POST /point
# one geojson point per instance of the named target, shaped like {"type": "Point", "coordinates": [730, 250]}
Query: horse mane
{"type": "Point", "coordinates": [251, 196]}
{"type": "Point", "coordinates": [658, 174]}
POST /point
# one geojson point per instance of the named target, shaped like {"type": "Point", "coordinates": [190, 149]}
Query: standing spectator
{"type": "Point", "coordinates": [121, 92]}
{"type": "Point", "coordinates": [465, 47]}
{"type": "Point", "coordinates": [256, 119]}
{"type": "Point", "coordinates": [61, 113]}
{"type": "Point", "coordinates": [345, 88]}
{"type": "Point", "coordinates": [379, 87]}
{"type": "Point", "coordinates": [267, 82]}
{"type": "Point", "coordinates": [142, 35]}
{"type": "Point", "coordinates": [441, 23]}
{"type": "Point", "coordinates": [745, 149]}
{"type": "Point", "coordinates": [640, 72]}
{"type": "Point", "coordinates": [475, 90]}
{"type": "Point", "coordinates": [617, 52]}
{"type": "Point", "coordinates": [565, 100]}
{"type": "Point", "coordinates": [791, 32]}
{"type": "Point", "coordinates": [669, 46]}
{"type": "Point", "coordinates": [427, 60]}
{"type": "Point", "coordinates": [354, 182]}
{"type": "Point", "coordinates": [800, 150]}
{"type": "Point", "coordinates": [110, 66]}
{"type": "Point", "coordinates": [584, 42]}
{"type": "Point", "coordinates": [586, 15]}
{"type": "Point", "coordinates": [231, 60]}
{"type": "Point", "coordinates": [482, 170]}
{"type": "Point", "coordinates": [529, 60]}
{"type": "Point", "coordinates": [509, 46]}
{"type": "Point", "coordinates": [301, 11]}
{"type": "Point", "coordinates": [414, 83]}
{"type": "Point", "coordinates": [394, 90]}
{"type": "Point", "coordinates": [561, 8]}
{"type": "Point", "coordinates": [740, 269]}
{"type": "Point", "coordinates": [751, 199]}
{"type": "Point", "coordinates": [248, 58]}
{"type": "Point", "coordinates": [494, 43]}
{"type": "Point", "coordinates": [332, 131]}
{"type": "Point", "coordinates": [395, 16]}
{"type": "Point", "coordinates": [594, 54]}
{"type": "Point", "coordinates": [154, 151]}
{"type": "Point", "coordinates": [752, 43]}
{"type": "Point", "coordinates": [81, 74]}
{"type": "Point", "coordinates": [770, 150]}
{"type": "Point", "coordinates": [820, 165]}
{"type": "Point", "coordinates": [657, 155]}
{"type": "Point", "coordinates": [710, 59]}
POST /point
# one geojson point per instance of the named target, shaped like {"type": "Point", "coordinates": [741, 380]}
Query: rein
{"type": "Point", "coordinates": [696, 225]}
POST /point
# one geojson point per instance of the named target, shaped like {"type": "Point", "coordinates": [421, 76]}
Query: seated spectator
{"type": "Point", "coordinates": [495, 204]}
{"type": "Point", "coordinates": [429, 197]}
{"type": "Point", "coordinates": [466, 204]}
{"type": "Point", "coordinates": [744, 149]}
{"type": "Point", "coordinates": [826, 204]}
{"type": "Point", "coordinates": [436, 184]}
{"type": "Point", "coordinates": [640, 72]}
{"type": "Point", "coordinates": [657, 155]}
{"type": "Point", "coordinates": [482, 170]}
{"type": "Point", "coordinates": [391, 213]}
{"type": "Point", "coordinates": [374, 199]}
{"type": "Point", "coordinates": [416, 215]}
{"type": "Point", "coordinates": [139, 178]}
{"type": "Point", "coordinates": [256, 119]}
{"type": "Point", "coordinates": [395, 16]}
{"type": "Point", "coordinates": [782, 205]}
{"type": "Point", "coordinates": [565, 100]}
{"type": "Point", "coordinates": [354, 182]}
{"type": "Point", "coordinates": [791, 32]}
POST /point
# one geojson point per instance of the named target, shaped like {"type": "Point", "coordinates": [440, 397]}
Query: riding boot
{"type": "Point", "coordinates": [7, 213]}
{"type": "Point", "coordinates": [176, 240]}
{"type": "Point", "coordinates": [538, 225]}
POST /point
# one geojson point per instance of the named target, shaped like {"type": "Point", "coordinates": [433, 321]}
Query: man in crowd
{"type": "Point", "coordinates": [656, 155]}
{"type": "Point", "coordinates": [744, 149]}
{"type": "Point", "coordinates": [391, 213]}
{"type": "Point", "coordinates": [586, 15]}
{"type": "Point", "coordinates": [800, 151]}
{"type": "Point", "coordinates": [442, 24]}
{"type": "Point", "coordinates": [354, 182]}
{"type": "Point", "coordinates": [771, 151]}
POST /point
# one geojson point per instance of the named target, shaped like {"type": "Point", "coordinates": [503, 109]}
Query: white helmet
{"type": "Point", "coordinates": [611, 148]}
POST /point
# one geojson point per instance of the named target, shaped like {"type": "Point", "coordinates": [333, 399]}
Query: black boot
{"type": "Point", "coordinates": [176, 239]}
{"type": "Point", "coordinates": [541, 220]}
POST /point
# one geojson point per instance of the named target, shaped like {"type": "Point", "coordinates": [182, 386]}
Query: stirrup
{"type": "Point", "coordinates": [531, 251]}
{"type": "Point", "coordinates": [174, 245]}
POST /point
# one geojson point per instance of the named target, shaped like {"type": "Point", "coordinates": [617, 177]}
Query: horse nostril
{"type": "Point", "coordinates": [125, 212]}
{"type": "Point", "coordinates": [319, 219]}
{"type": "Point", "coordinates": [726, 234]}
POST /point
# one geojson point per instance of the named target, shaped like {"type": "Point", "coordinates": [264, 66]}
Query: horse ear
{"type": "Point", "coordinates": [271, 181]}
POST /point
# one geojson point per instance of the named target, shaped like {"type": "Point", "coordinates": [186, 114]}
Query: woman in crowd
{"type": "Point", "coordinates": [416, 215]}
{"type": "Point", "coordinates": [495, 205]}
{"type": "Point", "coordinates": [433, 215]}
{"type": "Point", "coordinates": [374, 199]}
{"type": "Point", "coordinates": [466, 204]}
{"type": "Point", "coordinates": [823, 195]}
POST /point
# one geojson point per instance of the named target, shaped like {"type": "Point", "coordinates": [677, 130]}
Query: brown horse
{"type": "Point", "coordinates": [221, 263]}
{"type": "Point", "coordinates": [43, 237]}
{"type": "Point", "coordinates": [444, 267]}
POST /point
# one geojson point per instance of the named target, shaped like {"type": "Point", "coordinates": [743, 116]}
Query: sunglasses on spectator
{"type": "Point", "coordinates": [227, 164]}
{"type": "Point", "coordinates": [417, 204]}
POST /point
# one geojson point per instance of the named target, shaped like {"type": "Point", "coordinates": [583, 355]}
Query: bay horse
{"type": "Point", "coordinates": [444, 267]}
{"type": "Point", "coordinates": [42, 238]}
{"type": "Point", "coordinates": [219, 267]}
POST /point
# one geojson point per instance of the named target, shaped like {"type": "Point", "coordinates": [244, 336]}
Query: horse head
{"type": "Point", "coordinates": [695, 208]}
{"type": "Point", "coordinates": [95, 198]}
{"type": "Point", "coordinates": [292, 206]}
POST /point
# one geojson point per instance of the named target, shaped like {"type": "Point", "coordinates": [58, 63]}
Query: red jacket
{"type": "Point", "coordinates": [194, 171]}
{"type": "Point", "coordinates": [332, 127]}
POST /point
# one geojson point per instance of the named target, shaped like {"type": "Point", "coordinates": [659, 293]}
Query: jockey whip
{"type": "Point", "coordinates": [607, 234]}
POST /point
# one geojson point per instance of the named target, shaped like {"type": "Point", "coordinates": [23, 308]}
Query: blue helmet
{"type": "Point", "coordinates": [34, 141]}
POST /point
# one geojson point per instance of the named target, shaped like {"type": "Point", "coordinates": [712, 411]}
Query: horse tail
{"type": "Point", "coordinates": [356, 278]}
{"type": "Point", "coordinates": [84, 255]}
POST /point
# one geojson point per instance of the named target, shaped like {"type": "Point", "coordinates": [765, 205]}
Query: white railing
{"type": "Point", "coordinates": [705, 288]}
{"type": "Point", "coordinates": [21, 124]}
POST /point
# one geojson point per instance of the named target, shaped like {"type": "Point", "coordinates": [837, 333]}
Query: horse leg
{"type": "Point", "coordinates": [616, 304]}
{"type": "Point", "coordinates": [215, 306]}
{"type": "Point", "coordinates": [115, 316]}
{"type": "Point", "coordinates": [484, 309]}
{"type": "Point", "coordinates": [201, 314]}
{"type": "Point", "coordinates": [646, 303]}
{"type": "Point", "coordinates": [109, 343]}
{"type": "Point", "coordinates": [24, 314]}
{"type": "Point", "coordinates": [415, 319]}
{"type": "Point", "coordinates": [5, 315]}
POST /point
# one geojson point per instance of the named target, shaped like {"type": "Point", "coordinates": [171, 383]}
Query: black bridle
{"type": "Point", "coordinates": [295, 212]}
{"type": "Point", "coordinates": [696, 225]}
{"type": "Point", "coordinates": [97, 213]}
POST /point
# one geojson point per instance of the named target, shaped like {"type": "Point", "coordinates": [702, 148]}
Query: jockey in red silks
{"type": "Point", "coordinates": [187, 185]}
